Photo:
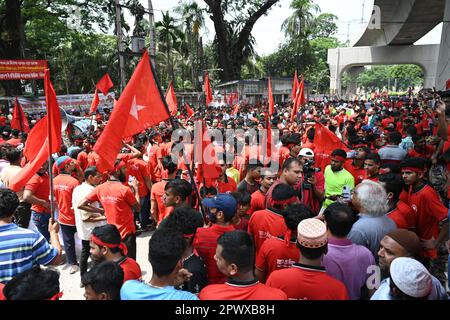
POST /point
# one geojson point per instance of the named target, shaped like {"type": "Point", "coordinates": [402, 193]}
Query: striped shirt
{"type": "Point", "coordinates": [21, 249]}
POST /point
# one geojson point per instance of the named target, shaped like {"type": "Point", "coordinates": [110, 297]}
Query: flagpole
{"type": "Point", "coordinates": [49, 132]}
{"type": "Point", "coordinates": [175, 126]}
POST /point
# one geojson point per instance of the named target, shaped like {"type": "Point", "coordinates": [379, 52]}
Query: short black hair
{"type": "Point", "coordinates": [339, 153]}
{"type": "Point", "coordinates": [8, 203]}
{"type": "Point", "coordinates": [165, 250]}
{"type": "Point", "coordinates": [294, 138]}
{"type": "Point", "coordinates": [238, 248]}
{"type": "Point", "coordinates": [90, 171]}
{"type": "Point", "coordinates": [310, 133]}
{"type": "Point", "coordinates": [105, 277]}
{"type": "Point", "coordinates": [108, 233]}
{"type": "Point", "coordinates": [179, 187]}
{"type": "Point", "coordinates": [393, 167]}
{"type": "Point", "coordinates": [417, 137]}
{"type": "Point", "coordinates": [204, 191]}
{"type": "Point", "coordinates": [12, 154]}
{"type": "Point", "coordinates": [184, 219]}
{"type": "Point", "coordinates": [374, 157]}
{"type": "Point", "coordinates": [169, 165]}
{"type": "Point", "coordinates": [287, 164]}
{"type": "Point", "coordinates": [33, 284]}
{"type": "Point", "coordinates": [254, 164]}
{"type": "Point", "coordinates": [312, 253]}
{"type": "Point", "coordinates": [282, 192]}
{"type": "Point", "coordinates": [392, 183]}
{"type": "Point", "coordinates": [295, 213]}
{"type": "Point", "coordinates": [339, 218]}
{"type": "Point", "coordinates": [395, 137]}
{"type": "Point", "coordinates": [242, 198]}
{"type": "Point", "coordinates": [414, 162]}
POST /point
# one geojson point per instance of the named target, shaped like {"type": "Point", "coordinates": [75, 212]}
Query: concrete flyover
{"type": "Point", "coordinates": [388, 39]}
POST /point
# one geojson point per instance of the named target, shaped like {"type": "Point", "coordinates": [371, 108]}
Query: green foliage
{"type": "Point", "coordinates": [404, 76]}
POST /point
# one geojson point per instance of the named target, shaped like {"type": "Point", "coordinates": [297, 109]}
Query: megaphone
{"type": "Point", "coordinates": [67, 119]}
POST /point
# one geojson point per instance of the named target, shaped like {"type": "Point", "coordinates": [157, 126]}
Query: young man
{"type": "Point", "coordinates": [118, 202]}
{"type": "Point", "coordinates": [337, 178]}
{"type": "Point", "coordinates": [22, 215]}
{"type": "Point", "coordinates": [86, 221]}
{"type": "Point", "coordinates": [158, 210]}
{"type": "Point", "coordinates": [356, 165]}
{"type": "Point", "coordinates": [224, 183]}
{"type": "Point", "coordinates": [63, 186]}
{"type": "Point", "coordinates": [281, 252]}
{"type": "Point", "coordinates": [234, 256]}
{"type": "Point", "coordinates": [165, 254]}
{"type": "Point", "coordinates": [431, 214]}
{"type": "Point", "coordinates": [240, 220]}
{"type": "Point", "coordinates": [258, 197]}
{"type": "Point", "coordinates": [221, 210]}
{"type": "Point", "coordinates": [307, 279]}
{"type": "Point", "coordinates": [250, 183]}
{"type": "Point", "coordinates": [372, 167]}
{"type": "Point", "coordinates": [106, 245]}
{"type": "Point", "coordinates": [176, 193]}
{"type": "Point", "coordinates": [399, 212]}
{"type": "Point", "coordinates": [20, 249]}
{"type": "Point", "coordinates": [103, 281]}
{"type": "Point", "coordinates": [187, 220]}
{"type": "Point", "coordinates": [82, 157]}
{"type": "Point", "coordinates": [346, 261]}
{"type": "Point", "coordinates": [37, 193]}
{"type": "Point", "coordinates": [269, 223]}
{"type": "Point", "coordinates": [392, 152]}
{"type": "Point", "coordinates": [421, 149]}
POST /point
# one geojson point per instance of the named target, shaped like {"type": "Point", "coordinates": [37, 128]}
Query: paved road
{"type": "Point", "coordinates": [70, 283]}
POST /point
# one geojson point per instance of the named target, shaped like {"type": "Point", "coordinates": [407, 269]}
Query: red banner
{"type": "Point", "coordinates": [22, 69]}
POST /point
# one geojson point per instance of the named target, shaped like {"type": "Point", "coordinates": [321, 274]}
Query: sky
{"type": "Point", "coordinates": [267, 30]}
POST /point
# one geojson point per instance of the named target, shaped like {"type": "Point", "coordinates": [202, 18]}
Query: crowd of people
{"type": "Point", "coordinates": [372, 224]}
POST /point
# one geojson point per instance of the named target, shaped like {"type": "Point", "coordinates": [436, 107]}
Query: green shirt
{"type": "Point", "coordinates": [233, 173]}
{"type": "Point", "coordinates": [335, 182]}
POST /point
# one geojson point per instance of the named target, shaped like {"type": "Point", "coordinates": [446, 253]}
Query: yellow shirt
{"type": "Point", "coordinates": [233, 173]}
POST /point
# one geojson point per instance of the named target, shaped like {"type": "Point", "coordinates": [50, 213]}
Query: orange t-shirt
{"type": "Point", "coordinates": [117, 201]}
{"type": "Point", "coordinates": [265, 224]}
{"type": "Point", "coordinates": [156, 195]}
{"type": "Point", "coordinates": [138, 168]}
{"type": "Point", "coordinates": [154, 169]}
{"type": "Point", "coordinates": [82, 159]}
{"type": "Point", "coordinates": [131, 269]}
{"type": "Point", "coordinates": [63, 186]}
{"type": "Point", "coordinates": [257, 202]}
{"type": "Point", "coordinates": [40, 186]}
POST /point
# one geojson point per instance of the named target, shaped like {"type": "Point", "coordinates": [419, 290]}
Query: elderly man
{"type": "Point", "coordinates": [401, 243]}
{"type": "Point", "coordinates": [370, 200]}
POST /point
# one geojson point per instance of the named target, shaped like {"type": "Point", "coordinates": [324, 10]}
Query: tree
{"type": "Point", "coordinates": [233, 37]}
{"type": "Point", "coordinates": [301, 23]}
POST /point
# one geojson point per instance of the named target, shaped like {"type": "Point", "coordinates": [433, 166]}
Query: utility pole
{"type": "Point", "coordinates": [152, 34]}
{"type": "Point", "coordinates": [120, 46]}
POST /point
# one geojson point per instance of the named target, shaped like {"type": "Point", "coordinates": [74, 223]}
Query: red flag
{"type": "Point", "coordinates": [271, 102]}
{"type": "Point", "coordinates": [208, 91]}
{"type": "Point", "coordinates": [325, 142]}
{"type": "Point", "coordinates": [295, 86]}
{"type": "Point", "coordinates": [19, 121]}
{"type": "Point", "coordinates": [190, 112]}
{"type": "Point", "coordinates": [235, 97]}
{"type": "Point", "coordinates": [171, 100]}
{"type": "Point", "coordinates": [104, 84]}
{"type": "Point", "coordinates": [299, 99]}
{"type": "Point", "coordinates": [208, 169]}
{"type": "Point", "coordinates": [95, 102]}
{"type": "Point", "coordinates": [447, 85]}
{"type": "Point", "coordinates": [49, 143]}
{"type": "Point", "coordinates": [140, 106]}
{"type": "Point", "coordinates": [235, 109]}
{"type": "Point", "coordinates": [267, 142]}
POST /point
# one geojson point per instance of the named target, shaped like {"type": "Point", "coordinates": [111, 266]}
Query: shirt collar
{"type": "Point", "coordinates": [9, 226]}
{"type": "Point", "coordinates": [308, 268]}
{"type": "Point", "coordinates": [339, 242]}
{"type": "Point", "coordinates": [242, 284]}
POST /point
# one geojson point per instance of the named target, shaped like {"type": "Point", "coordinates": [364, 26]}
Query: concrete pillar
{"type": "Point", "coordinates": [354, 72]}
{"type": "Point", "coordinates": [443, 66]}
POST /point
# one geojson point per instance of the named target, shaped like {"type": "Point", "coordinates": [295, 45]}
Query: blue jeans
{"type": "Point", "coordinates": [41, 221]}
{"type": "Point", "coordinates": [68, 234]}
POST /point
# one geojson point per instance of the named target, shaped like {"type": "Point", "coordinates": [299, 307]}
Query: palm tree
{"type": "Point", "coordinates": [170, 37]}
{"type": "Point", "coordinates": [302, 20]}
{"type": "Point", "coordinates": [194, 21]}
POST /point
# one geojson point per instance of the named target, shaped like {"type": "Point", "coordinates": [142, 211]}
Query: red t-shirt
{"type": "Point", "coordinates": [63, 186]}
{"type": "Point", "coordinates": [2, 296]}
{"type": "Point", "coordinates": [93, 158]}
{"type": "Point", "coordinates": [385, 122]}
{"type": "Point", "coordinates": [40, 186]}
{"type": "Point", "coordinates": [156, 195]}
{"type": "Point", "coordinates": [242, 225]}
{"type": "Point", "coordinates": [205, 242]}
{"type": "Point", "coordinates": [82, 160]}
{"type": "Point", "coordinates": [357, 173]}
{"type": "Point", "coordinates": [131, 269]}
{"type": "Point", "coordinates": [429, 150]}
{"type": "Point", "coordinates": [154, 169]}
{"type": "Point", "coordinates": [429, 211]}
{"type": "Point", "coordinates": [265, 224]}
{"type": "Point", "coordinates": [234, 290]}
{"type": "Point", "coordinates": [274, 255]}
{"type": "Point", "coordinates": [257, 202]}
{"type": "Point", "coordinates": [138, 168]}
{"type": "Point", "coordinates": [117, 201]}
{"type": "Point", "coordinates": [403, 216]}
{"type": "Point", "coordinates": [229, 186]}
{"type": "Point", "coordinates": [14, 141]}
{"type": "Point", "coordinates": [301, 282]}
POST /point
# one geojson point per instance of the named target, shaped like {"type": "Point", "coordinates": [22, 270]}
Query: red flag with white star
{"type": "Point", "coordinates": [139, 107]}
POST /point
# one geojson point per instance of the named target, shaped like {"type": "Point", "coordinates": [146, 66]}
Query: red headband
{"type": "Point", "coordinates": [413, 169]}
{"type": "Point", "coordinates": [339, 158]}
{"type": "Point", "coordinates": [63, 164]}
{"type": "Point", "coordinates": [383, 171]}
{"type": "Point", "coordinates": [292, 199]}
{"type": "Point", "coordinates": [99, 242]}
{"type": "Point", "coordinates": [56, 296]}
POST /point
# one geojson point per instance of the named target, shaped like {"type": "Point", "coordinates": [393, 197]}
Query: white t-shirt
{"type": "Point", "coordinates": [84, 229]}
